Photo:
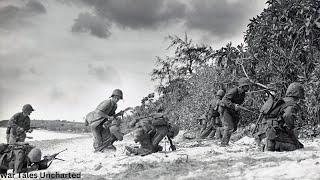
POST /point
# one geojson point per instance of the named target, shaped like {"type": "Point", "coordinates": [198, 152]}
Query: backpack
{"type": "Point", "coordinates": [274, 108]}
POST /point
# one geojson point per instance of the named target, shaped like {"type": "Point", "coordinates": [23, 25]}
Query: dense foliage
{"type": "Point", "coordinates": [281, 46]}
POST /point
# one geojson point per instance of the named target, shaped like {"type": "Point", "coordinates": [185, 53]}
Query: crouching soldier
{"type": "Point", "coordinates": [149, 133]}
{"type": "Point", "coordinates": [229, 109]}
{"type": "Point", "coordinates": [105, 124]}
{"type": "Point", "coordinates": [212, 120]}
{"type": "Point", "coordinates": [277, 132]}
{"type": "Point", "coordinates": [19, 124]}
{"type": "Point", "coordinates": [21, 157]}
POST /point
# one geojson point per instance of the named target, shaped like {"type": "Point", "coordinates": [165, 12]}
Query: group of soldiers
{"type": "Point", "coordinates": [16, 154]}
{"type": "Point", "coordinates": [150, 130]}
{"type": "Point", "coordinates": [275, 128]}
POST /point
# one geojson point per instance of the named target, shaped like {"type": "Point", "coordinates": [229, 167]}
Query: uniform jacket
{"type": "Point", "coordinates": [19, 120]}
{"type": "Point", "coordinates": [233, 96]}
{"type": "Point", "coordinates": [99, 115]}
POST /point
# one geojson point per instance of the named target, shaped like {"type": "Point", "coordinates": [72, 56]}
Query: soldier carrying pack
{"type": "Point", "coordinates": [276, 129]}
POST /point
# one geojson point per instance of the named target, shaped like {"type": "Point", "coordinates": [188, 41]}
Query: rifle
{"type": "Point", "coordinates": [50, 158]}
{"type": "Point", "coordinates": [246, 109]}
{"type": "Point", "coordinates": [122, 112]}
{"type": "Point", "coordinates": [257, 123]}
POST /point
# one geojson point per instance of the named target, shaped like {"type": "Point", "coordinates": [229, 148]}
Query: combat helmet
{"type": "Point", "coordinates": [221, 93]}
{"type": "Point", "coordinates": [173, 130]}
{"type": "Point", "coordinates": [243, 81]}
{"type": "Point", "coordinates": [295, 89]}
{"type": "Point", "coordinates": [35, 155]}
{"type": "Point", "coordinates": [27, 107]}
{"type": "Point", "coordinates": [117, 92]}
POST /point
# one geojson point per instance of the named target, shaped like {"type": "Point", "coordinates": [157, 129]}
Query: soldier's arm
{"type": "Point", "coordinates": [290, 116]}
{"type": "Point", "coordinates": [12, 123]}
{"type": "Point", "coordinates": [105, 105]}
{"type": "Point", "coordinates": [227, 99]}
{"type": "Point", "coordinates": [27, 124]}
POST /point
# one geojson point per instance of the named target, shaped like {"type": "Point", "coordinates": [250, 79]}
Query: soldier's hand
{"type": "Point", "coordinates": [30, 130]}
{"type": "Point", "coordinates": [20, 130]}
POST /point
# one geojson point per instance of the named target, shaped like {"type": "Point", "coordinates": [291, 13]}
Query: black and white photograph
{"type": "Point", "coordinates": [160, 89]}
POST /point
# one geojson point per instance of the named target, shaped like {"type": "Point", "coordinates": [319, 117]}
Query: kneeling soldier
{"type": "Point", "coordinates": [150, 131]}
{"type": "Point", "coordinates": [104, 123]}
{"type": "Point", "coordinates": [277, 132]}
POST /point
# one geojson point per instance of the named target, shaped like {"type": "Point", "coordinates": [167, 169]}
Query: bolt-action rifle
{"type": "Point", "coordinates": [50, 158]}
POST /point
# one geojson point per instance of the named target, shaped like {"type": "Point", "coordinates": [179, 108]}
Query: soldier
{"type": "Point", "coordinates": [277, 132]}
{"type": "Point", "coordinates": [105, 124]}
{"type": "Point", "coordinates": [212, 119]}
{"type": "Point", "coordinates": [21, 157]}
{"type": "Point", "coordinates": [229, 109]}
{"type": "Point", "coordinates": [150, 131]}
{"type": "Point", "coordinates": [19, 124]}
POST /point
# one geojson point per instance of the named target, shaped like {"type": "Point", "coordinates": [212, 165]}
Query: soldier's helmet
{"type": "Point", "coordinates": [27, 107]}
{"type": "Point", "coordinates": [117, 92]}
{"type": "Point", "coordinates": [295, 89]}
{"type": "Point", "coordinates": [221, 93]}
{"type": "Point", "coordinates": [35, 155]}
{"type": "Point", "coordinates": [173, 131]}
{"type": "Point", "coordinates": [243, 81]}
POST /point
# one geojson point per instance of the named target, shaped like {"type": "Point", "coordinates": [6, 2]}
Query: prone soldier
{"type": "Point", "coordinates": [22, 158]}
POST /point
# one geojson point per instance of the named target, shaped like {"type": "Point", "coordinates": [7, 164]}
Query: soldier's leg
{"type": "Point", "coordinates": [7, 137]}
{"type": "Point", "coordinates": [203, 127]}
{"type": "Point", "coordinates": [270, 145]}
{"type": "Point", "coordinates": [228, 127]}
{"type": "Point", "coordinates": [205, 133]}
{"type": "Point", "coordinates": [161, 132]}
{"type": "Point", "coordinates": [219, 133]}
{"type": "Point", "coordinates": [213, 129]}
{"type": "Point", "coordinates": [12, 136]}
{"type": "Point", "coordinates": [97, 136]}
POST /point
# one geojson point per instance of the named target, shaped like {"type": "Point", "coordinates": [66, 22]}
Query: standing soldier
{"type": "Point", "coordinates": [212, 119]}
{"type": "Point", "coordinates": [278, 132]}
{"type": "Point", "coordinates": [19, 124]}
{"type": "Point", "coordinates": [229, 109]}
{"type": "Point", "coordinates": [104, 123]}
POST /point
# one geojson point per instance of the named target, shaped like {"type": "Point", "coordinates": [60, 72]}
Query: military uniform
{"type": "Point", "coordinates": [17, 127]}
{"type": "Point", "coordinates": [212, 120]}
{"type": "Point", "coordinates": [21, 157]}
{"type": "Point", "coordinates": [277, 130]}
{"type": "Point", "coordinates": [105, 130]}
{"type": "Point", "coordinates": [150, 131]}
{"type": "Point", "coordinates": [229, 114]}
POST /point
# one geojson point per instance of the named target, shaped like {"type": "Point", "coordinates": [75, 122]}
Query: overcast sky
{"type": "Point", "coordinates": [64, 57]}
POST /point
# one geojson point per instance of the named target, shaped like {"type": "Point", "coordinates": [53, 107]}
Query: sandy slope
{"type": "Point", "coordinates": [192, 160]}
